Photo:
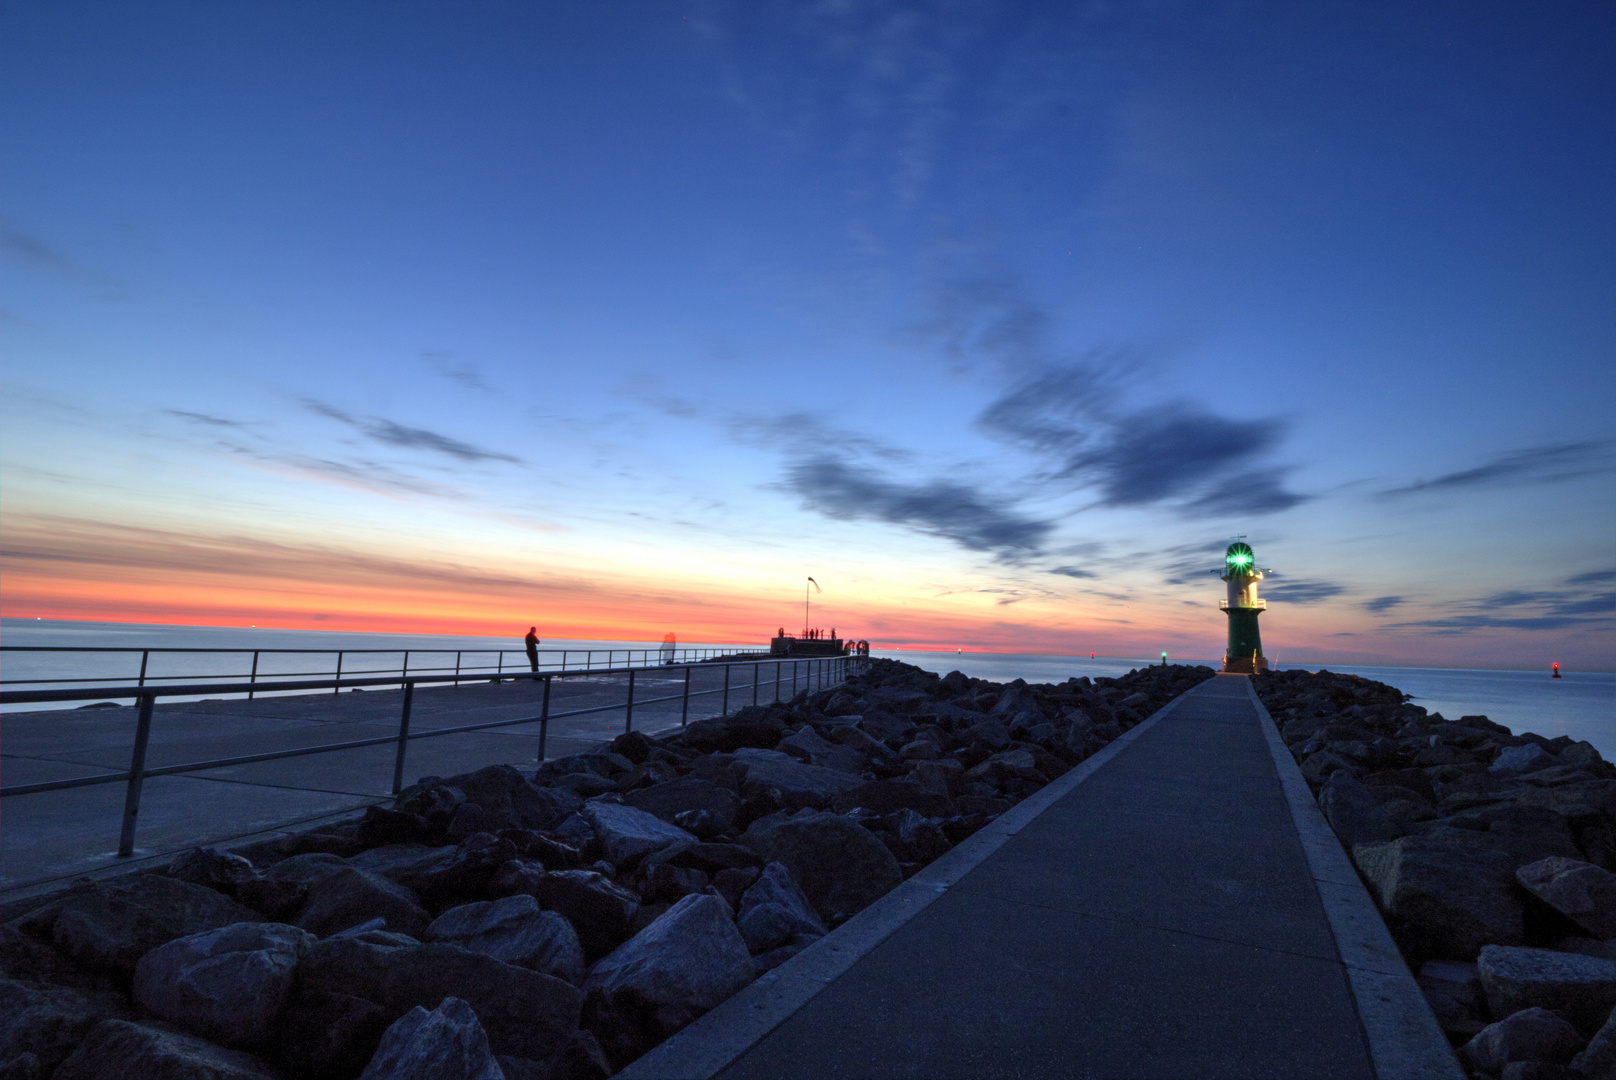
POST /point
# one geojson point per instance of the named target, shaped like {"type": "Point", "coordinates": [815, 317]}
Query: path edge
{"type": "Point", "coordinates": [1405, 1041]}
{"type": "Point", "coordinates": [713, 1042]}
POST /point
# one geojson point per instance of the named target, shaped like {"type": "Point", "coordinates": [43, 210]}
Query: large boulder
{"type": "Point", "coordinates": [809, 747]}
{"type": "Point", "coordinates": [445, 1044]}
{"type": "Point", "coordinates": [687, 793]}
{"type": "Point", "coordinates": [799, 785]}
{"type": "Point", "coordinates": [118, 1049]}
{"type": "Point", "coordinates": [213, 869]}
{"type": "Point", "coordinates": [228, 985]}
{"type": "Point", "coordinates": [628, 835]}
{"type": "Point", "coordinates": [774, 909]}
{"type": "Point", "coordinates": [839, 864]}
{"type": "Point", "coordinates": [1513, 760]}
{"type": "Point", "coordinates": [756, 727]}
{"type": "Point", "coordinates": [687, 961]}
{"type": "Point", "coordinates": [1579, 890]}
{"type": "Point", "coordinates": [325, 1033]}
{"type": "Point", "coordinates": [1529, 1035]}
{"type": "Point", "coordinates": [510, 801]}
{"type": "Point", "coordinates": [1581, 987]}
{"type": "Point", "coordinates": [598, 909]}
{"type": "Point", "coordinates": [49, 1021]}
{"type": "Point", "coordinates": [1598, 1060]}
{"type": "Point", "coordinates": [352, 896]}
{"type": "Point", "coordinates": [887, 796]}
{"type": "Point", "coordinates": [1353, 811]}
{"type": "Point", "coordinates": [110, 925]}
{"type": "Point", "coordinates": [1445, 900]}
{"type": "Point", "coordinates": [526, 1014]}
{"type": "Point", "coordinates": [282, 889]}
{"type": "Point", "coordinates": [516, 931]}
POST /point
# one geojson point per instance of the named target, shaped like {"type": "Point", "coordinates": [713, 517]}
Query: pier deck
{"type": "Point", "coordinates": [1168, 909]}
{"type": "Point", "coordinates": [47, 837]}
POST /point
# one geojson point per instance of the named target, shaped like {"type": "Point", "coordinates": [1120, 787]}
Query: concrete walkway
{"type": "Point", "coordinates": [53, 836]}
{"type": "Point", "coordinates": [1154, 913]}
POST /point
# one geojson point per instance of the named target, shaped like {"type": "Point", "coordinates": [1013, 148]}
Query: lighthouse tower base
{"type": "Point", "coordinates": [1245, 665]}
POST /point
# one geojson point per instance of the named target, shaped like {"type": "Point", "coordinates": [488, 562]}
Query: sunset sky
{"type": "Point", "coordinates": [1000, 320]}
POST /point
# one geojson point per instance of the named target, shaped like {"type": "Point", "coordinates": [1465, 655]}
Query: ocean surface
{"type": "Point", "coordinates": [1581, 704]}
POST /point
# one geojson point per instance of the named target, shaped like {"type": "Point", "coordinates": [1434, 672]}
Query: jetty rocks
{"type": "Point", "coordinates": [543, 926]}
{"type": "Point", "coordinates": [1492, 857]}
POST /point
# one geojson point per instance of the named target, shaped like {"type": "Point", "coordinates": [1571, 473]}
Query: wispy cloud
{"type": "Point", "coordinates": [1072, 571]}
{"type": "Point", "coordinates": [34, 252]}
{"type": "Point", "coordinates": [1299, 591]}
{"type": "Point", "coordinates": [1592, 577]}
{"type": "Point", "coordinates": [1524, 609]}
{"type": "Point", "coordinates": [207, 419]}
{"type": "Point", "coordinates": [946, 509]}
{"type": "Point", "coordinates": [456, 370]}
{"type": "Point", "coordinates": [392, 433]}
{"type": "Point", "coordinates": [1071, 412]}
{"type": "Point", "coordinates": [1377, 605]}
{"type": "Point", "coordinates": [1547, 464]}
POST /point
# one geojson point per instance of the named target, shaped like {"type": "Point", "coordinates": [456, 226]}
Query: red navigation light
{"type": "Point", "coordinates": [1556, 671]}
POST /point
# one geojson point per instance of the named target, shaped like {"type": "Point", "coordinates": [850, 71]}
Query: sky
{"type": "Point", "coordinates": [998, 320]}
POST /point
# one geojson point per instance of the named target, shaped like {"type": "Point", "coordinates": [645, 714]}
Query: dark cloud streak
{"type": "Point", "coordinates": [946, 509]}
{"type": "Point", "coordinates": [1541, 464]}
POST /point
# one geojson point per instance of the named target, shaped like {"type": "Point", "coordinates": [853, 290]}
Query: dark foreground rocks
{"type": "Point", "coordinates": [1491, 856]}
{"type": "Point", "coordinates": [552, 925]}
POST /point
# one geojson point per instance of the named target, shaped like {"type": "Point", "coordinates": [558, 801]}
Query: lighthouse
{"type": "Point", "coordinates": [1244, 654]}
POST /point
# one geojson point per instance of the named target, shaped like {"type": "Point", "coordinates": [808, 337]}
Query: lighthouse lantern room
{"type": "Point", "coordinates": [1244, 654]}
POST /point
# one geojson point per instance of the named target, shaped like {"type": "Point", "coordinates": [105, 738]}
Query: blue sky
{"type": "Point", "coordinates": [998, 319]}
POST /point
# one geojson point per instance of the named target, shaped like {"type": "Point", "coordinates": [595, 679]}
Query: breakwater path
{"type": "Point", "coordinates": [60, 834]}
{"type": "Point", "coordinates": [1163, 910]}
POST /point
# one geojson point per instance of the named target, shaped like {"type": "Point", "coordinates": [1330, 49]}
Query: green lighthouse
{"type": "Point", "coordinates": [1244, 654]}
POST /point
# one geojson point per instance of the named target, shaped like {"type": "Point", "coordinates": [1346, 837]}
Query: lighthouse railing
{"type": "Point", "coordinates": [1255, 605]}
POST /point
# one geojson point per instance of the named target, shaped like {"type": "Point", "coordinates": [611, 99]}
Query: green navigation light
{"type": "Point", "coordinates": [1239, 557]}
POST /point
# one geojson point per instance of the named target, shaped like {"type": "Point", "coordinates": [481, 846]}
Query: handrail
{"type": "Point", "coordinates": [146, 698]}
{"type": "Point", "coordinates": [545, 658]}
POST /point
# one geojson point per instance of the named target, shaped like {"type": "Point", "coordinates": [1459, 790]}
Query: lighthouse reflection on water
{"type": "Point", "coordinates": [1244, 654]}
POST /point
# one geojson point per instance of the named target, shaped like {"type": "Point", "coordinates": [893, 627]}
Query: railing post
{"type": "Point", "coordinates": [500, 670]}
{"type": "Point", "coordinates": [628, 713]}
{"type": "Point", "coordinates": [137, 776]}
{"type": "Point", "coordinates": [145, 655]}
{"type": "Point", "coordinates": [725, 710]}
{"type": "Point", "coordinates": [544, 717]}
{"type": "Point", "coordinates": [403, 738]}
{"type": "Point", "coordinates": [254, 676]}
{"type": "Point", "coordinates": [405, 673]}
{"type": "Point", "coordinates": [457, 667]}
{"type": "Point", "coordinates": [684, 710]}
{"type": "Point", "coordinates": [338, 689]}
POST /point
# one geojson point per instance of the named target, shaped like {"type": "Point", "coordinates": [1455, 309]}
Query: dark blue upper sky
{"type": "Point", "coordinates": [1031, 306]}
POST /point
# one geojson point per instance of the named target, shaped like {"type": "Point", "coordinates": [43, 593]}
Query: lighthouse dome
{"type": "Point", "coordinates": [1239, 559]}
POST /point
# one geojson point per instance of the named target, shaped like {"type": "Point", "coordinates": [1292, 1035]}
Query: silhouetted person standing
{"type": "Point", "coordinates": [532, 640]}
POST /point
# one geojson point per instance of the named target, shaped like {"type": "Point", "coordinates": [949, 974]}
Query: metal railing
{"type": "Point", "coordinates": [1255, 605]}
{"type": "Point", "coordinates": [811, 673]}
{"type": "Point", "coordinates": [556, 660]}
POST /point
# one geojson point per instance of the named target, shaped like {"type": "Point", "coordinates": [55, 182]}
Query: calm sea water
{"type": "Point", "coordinates": [1582, 704]}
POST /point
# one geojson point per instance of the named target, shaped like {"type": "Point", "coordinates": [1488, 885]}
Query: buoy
{"type": "Point", "coordinates": [1091, 656]}
{"type": "Point", "coordinates": [1556, 671]}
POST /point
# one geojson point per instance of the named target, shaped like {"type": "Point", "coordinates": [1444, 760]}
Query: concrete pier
{"type": "Point", "coordinates": [49, 837]}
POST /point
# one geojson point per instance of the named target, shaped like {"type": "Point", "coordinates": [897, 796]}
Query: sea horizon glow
{"type": "Point", "coordinates": [999, 321]}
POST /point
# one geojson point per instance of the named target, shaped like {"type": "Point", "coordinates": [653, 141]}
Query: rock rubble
{"type": "Point", "coordinates": [1491, 857]}
{"type": "Point", "coordinates": [552, 925]}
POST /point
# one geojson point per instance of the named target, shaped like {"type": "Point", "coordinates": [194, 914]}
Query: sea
{"type": "Point", "coordinates": [1581, 704]}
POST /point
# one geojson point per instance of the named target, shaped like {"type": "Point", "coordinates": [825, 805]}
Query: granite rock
{"type": "Point", "coordinates": [228, 985]}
